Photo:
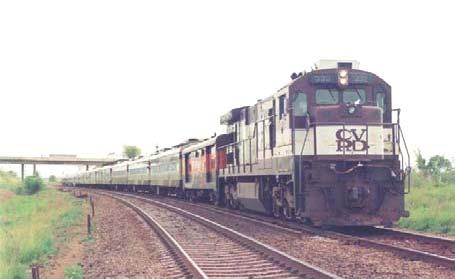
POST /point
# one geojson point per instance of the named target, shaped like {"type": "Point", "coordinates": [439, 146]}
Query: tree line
{"type": "Point", "coordinates": [438, 168]}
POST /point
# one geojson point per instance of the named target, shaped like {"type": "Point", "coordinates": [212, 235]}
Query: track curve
{"type": "Point", "coordinates": [211, 250]}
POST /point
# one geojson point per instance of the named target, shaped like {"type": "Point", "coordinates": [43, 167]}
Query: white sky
{"type": "Point", "coordinates": [86, 77]}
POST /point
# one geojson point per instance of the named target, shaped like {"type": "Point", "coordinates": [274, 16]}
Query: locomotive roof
{"type": "Point", "coordinates": [199, 145]}
{"type": "Point", "coordinates": [327, 67]}
{"type": "Point", "coordinates": [370, 75]}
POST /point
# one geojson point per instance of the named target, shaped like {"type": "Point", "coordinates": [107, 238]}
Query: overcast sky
{"type": "Point", "coordinates": [86, 77]}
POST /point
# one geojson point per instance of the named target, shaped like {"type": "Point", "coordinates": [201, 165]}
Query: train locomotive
{"type": "Point", "coordinates": [323, 149]}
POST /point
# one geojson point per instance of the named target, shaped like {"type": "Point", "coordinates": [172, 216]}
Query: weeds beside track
{"type": "Point", "coordinates": [29, 225]}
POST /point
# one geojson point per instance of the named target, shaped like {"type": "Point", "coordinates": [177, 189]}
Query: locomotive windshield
{"type": "Point", "coordinates": [354, 96]}
{"type": "Point", "coordinates": [327, 96]}
{"type": "Point", "coordinates": [331, 96]}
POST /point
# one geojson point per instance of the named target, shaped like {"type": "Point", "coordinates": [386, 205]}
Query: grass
{"type": "Point", "coordinates": [74, 272]}
{"type": "Point", "coordinates": [431, 206]}
{"type": "Point", "coordinates": [9, 180]}
{"type": "Point", "coordinates": [29, 225]}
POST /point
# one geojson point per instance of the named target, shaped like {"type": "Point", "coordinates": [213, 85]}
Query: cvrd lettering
{"type": "Point", "coordinates": [351, 140]}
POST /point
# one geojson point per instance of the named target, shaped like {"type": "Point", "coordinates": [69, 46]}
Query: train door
{"type": "Point", "coordinates": [272, 127]}
{"type": "Point", "coordinates": [208, 164]}
{"type": "Point", "coordinates": [254, 134]}
{"type": "Point", "coordinates": [269, 130]}
{"type": "Point", "coordinates": [187, 168]}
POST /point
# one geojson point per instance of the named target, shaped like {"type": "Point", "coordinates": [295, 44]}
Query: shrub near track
{"type": "Point", "coordinates": [29, 225]}
{"type": "Point", "coordinates": [431, 205]}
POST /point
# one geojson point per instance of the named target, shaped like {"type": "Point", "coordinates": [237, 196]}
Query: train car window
{"type": "Point", "coordinates": [354, 96]}
{"type": "Point", "coordinates": [300, 104]}
{"type": "Point", "coordinates": [380, 101]}
{"type": "Point", "coordinates": [327, 96]}
{"type": "Point", "coordinates": [281, 105]}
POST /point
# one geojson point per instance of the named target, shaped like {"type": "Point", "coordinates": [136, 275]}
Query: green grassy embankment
{"type": "Point", "coordinates": [431, 205]}
{"type": "Point", "coordinates": [31, 225]}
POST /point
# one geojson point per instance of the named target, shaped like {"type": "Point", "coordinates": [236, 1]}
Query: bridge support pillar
{"type": "Point", "coordinates": [34, 169]}
{"type": "Point", "coordinates": [86, 167]}
{"type": "Point", "coordinates": [22, 172]}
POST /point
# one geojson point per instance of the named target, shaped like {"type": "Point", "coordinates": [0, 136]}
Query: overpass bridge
{"type": "Point", "coordinates": [56, 160]}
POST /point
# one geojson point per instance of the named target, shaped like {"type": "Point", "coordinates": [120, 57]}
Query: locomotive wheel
{"type": "Point", "coordinates": [232, 204]}
{"type": "Point", "coordinates": [227, 201]}
{"type": "Point", "coordinates": [276, 210]}
{"type": "Point", "coordinates": [288, 213]}
{"type": "Point", "coordinates": [189, 196]}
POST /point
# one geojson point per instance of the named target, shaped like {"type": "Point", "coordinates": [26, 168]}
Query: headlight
{"type": "Point", "coordinates": [343, 81]}
{"type": "Point", "coordinates": [343, 77]}
{"type": "Point", "coordinates": [343, 73]}
{"type": "Point", "coordinates": [351, 109]}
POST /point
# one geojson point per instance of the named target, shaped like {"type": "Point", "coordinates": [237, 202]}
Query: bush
{"type": "Point", "coordinates": [31, 185]}
{"type": "Point", "coordinates": [449, 177]}
{"type": "Point", "coordinates": [8, 179]}
{"type": "Point", "coordinates": [52, 178]}
{"type": "Point", "coordinates": [431, 207]}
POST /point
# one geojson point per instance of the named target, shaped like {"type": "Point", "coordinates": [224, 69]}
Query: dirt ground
{"type": "Point", "coordinates": [122, 246]}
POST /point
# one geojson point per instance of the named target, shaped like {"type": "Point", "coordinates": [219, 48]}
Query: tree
{"type": "Point", "coordinates": [131, 151]}
{"type": "Point", "coordinates": [421, 163]}
{"type": "Point", "coordinates": [448, 177]}
{"type": "Point", "coordinates": [437, 165]}
{"type": "Point", "coordinates": [52, 178]}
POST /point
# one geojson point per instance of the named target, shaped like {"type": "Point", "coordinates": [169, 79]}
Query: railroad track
{"type": "Point", "coordinates": [206, 249]}
{"type": "Point", "coordinates": [435, 250]}
{"type": "Point", "coordinates": [432, 244]}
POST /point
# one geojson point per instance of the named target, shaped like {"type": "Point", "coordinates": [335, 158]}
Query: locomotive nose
{"type": "Point", "coordinates": [347, 113]}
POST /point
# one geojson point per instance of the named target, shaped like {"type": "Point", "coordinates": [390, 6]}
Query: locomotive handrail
{"type": "Point", "coordinates": [408, 168]}
{"type": "Point", "coordinates": [232, 143]}
{"type": "Point", "coordinates": [237, 143]}
{"type": "Point", "coordinates": [348, 124]}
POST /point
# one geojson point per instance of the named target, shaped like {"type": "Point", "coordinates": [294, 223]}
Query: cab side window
{"type": "Point", "coordinates": [281, 104]}
{"type": "Point", "coordinates": [380, 101]}
{"type": "Point", "coordinates": [300, 104]}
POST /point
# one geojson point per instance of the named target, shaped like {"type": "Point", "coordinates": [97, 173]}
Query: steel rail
{"type": "Point", "coordinates": [295, 228]}
{"type": "Point", "coordinates": [251, 243]}
{"type": "Point", "coordinates": [193, 269]}
{"type": "Point", "coordinates": [406, 252]}
{"type": "Point", "coordinates": [417, 235]}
